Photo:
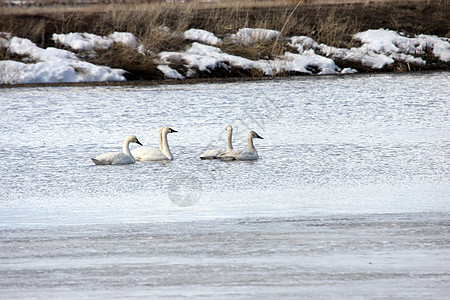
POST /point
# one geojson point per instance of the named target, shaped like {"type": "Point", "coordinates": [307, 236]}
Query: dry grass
{"type": "Point", "coordinates": [324, 20]}
{"type": "Point", "coordinates": [139, 67]}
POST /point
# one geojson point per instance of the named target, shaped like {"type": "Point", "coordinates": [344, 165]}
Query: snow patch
{"type": "Point", "coordinates": [169, 72]}
{"type": "Point", "coordinates": [380, 48]}
{"type": "Point", "coordinates": [308, 62]}
{"type": "Point", "coordinates": [249, 36]}
{"type": "Point", "coordinates": [88, 41]}
{"type": "Point", "coordinates": [202, 36]}
{"type": "Point", "coordinates": [440, 46]}
{"type": "Point", "coordinates": [208, 58]}
{"type": "Point", "coordinates": [126, 38]}
{"type": "Point", "coordinates": [51, 65]}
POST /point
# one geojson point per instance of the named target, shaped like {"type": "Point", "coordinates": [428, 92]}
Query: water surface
{"type": "Point", "coordinates": [349, 199]}
{"type": "Point", "coordinates": [353, 144]}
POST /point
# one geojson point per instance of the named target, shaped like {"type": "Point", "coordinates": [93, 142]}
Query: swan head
{"type": "Point", "coordinates": [254, 135]}
{"type": "Point", "coordinates": [229, 128]}
{"type": "Point", "coordinates": [133, 139]}
{"type": "Point", "coordinates": [168, 130]}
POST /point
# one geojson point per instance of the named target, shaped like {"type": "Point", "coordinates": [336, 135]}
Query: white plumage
{"type": "Point", "coordinates": [118, 158]}
{"type": "Point", "coordinates": [154, 154]}
{"type": "Point", "coordinates": [214, 153]}
{"type": "Point", "coordinates": [243, 154]}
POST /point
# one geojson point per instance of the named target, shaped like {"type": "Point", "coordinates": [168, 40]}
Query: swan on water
{"type": "Point", "coordinates": [243, 154]}
{"type": "Point", "coordinates": [118, 158]}
{"type": "Point", "coordinates": [155, 154]}
{"type": "Point", "coordinates": [214, 153]}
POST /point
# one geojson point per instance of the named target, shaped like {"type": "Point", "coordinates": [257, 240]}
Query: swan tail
{"type": "Point", "coordinates": [99, 162]}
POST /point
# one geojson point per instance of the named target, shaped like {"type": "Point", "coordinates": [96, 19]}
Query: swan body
{"type": "Point", "coordinates": [118, 158]}
{"type": "Point", "coordinates": [243, 154]}
{"type": "Point", "coordinates": [214, 153]}
{"type": "Point", "coordinates": [154, 154]}
{"type": "Point", "coordinates": [149, 154]}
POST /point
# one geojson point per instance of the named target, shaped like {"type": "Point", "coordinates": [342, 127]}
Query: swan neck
{"type": "Point", "coordinates": [229, 139]}
{"type": "Point", "coordinates": [165, 146]}
{"type": "Point", "coordinates": [126, 148]}
{"type": "Point", "coordinates": [160, 139]}
{"type": "Point", "coordinates": [250, 144]}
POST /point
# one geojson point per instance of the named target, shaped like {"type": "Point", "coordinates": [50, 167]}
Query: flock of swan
{"type": "Point", "coordinates": [163, 153]}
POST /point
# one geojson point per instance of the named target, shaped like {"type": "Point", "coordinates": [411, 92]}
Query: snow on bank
{"type": "Point", "coordinates": [207, 58]}
{"type": "Point", "coordinates": [249, 36]}
{"type": "Point", "coordinates": [202, 36]}
{"type": "Point", "coordinates": [50, 65]}
{"type": "Point", "coordinates": [169, 72]}
{"type": "Point", "coordinates": [88, 41]}
{"type": "Point", "coordinates": [308, 62]}
{"type": "Point", "coordinates": [379, 48]}
{"type": "Point", "coordinates": [390, 42]}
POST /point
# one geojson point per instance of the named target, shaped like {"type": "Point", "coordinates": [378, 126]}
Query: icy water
{"type": "Point", "coordinates": [349, 199]}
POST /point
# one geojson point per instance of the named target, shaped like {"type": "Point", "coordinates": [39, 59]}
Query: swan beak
{"type": "Point", "coordinates": [259, 137]}
{"type": "Point", "coordinates": [173, 130]}
{"type": "Point", "coordinates": [139, 143]}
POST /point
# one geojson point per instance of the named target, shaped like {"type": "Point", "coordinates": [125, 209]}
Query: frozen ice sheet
{"type": "Point", "coordinates": [373, 256]}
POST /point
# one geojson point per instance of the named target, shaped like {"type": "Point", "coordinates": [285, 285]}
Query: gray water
{"type": "Point", "coordinates": [349, 198]}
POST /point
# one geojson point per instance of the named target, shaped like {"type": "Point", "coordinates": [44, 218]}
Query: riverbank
{"type": "Point", "coordinates": [185, 41]}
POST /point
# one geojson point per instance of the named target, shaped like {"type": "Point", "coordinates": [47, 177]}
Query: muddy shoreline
{"type": "Point", "coordinates": [196, 80]}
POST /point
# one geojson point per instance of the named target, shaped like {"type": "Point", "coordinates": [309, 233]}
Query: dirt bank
{"type": "Point", "coordinates": [330, 22]}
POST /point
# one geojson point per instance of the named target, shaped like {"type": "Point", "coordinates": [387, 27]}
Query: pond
{"type": "Point", "coordinates": [350, 147]}
{"type": "Point", "coordinates": [354, 144]}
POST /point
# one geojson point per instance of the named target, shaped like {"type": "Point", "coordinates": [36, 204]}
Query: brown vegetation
{"type": "Point", "coordinates": [326, 21]}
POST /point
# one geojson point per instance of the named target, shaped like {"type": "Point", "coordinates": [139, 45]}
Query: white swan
{"type": "Point", "coordinates": [243, 154]}
{"type": "Point", "coordinates": [214, 153]}
{"type": "Point", "coordinates": [154, 154]}
{"type": "Point", "coordinates": [118, 158]}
